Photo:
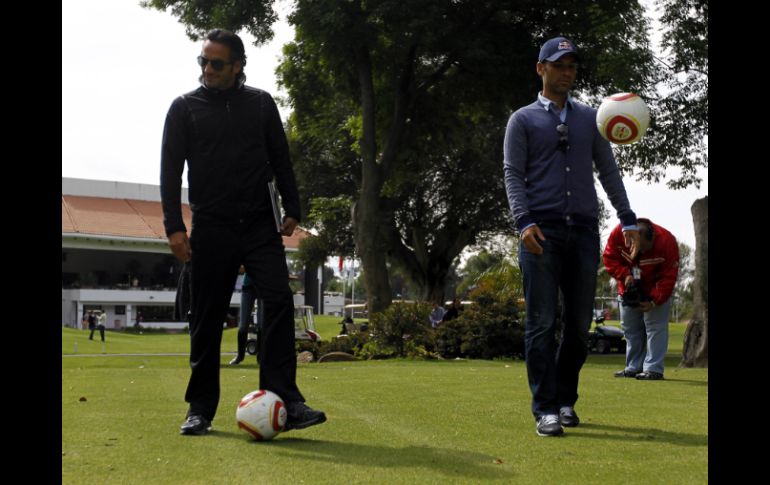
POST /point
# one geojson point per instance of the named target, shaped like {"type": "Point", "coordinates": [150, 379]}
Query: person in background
{"type": "Point", "coordinates": [452, 312]}
{"type": "Point", "coordinates": [248, 299]}
{"type": "Point", "coordinates": [102, 324]}
{"type": "Point", "coordinates": [645, 283]}
{"type": "Point", "coordinates": [91, 324]}
{"type": "Point", "coordinates": [436, 315]}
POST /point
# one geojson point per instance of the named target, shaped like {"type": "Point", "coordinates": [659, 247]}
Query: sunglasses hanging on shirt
{"type": "Point", "coordinates": [563, 130]}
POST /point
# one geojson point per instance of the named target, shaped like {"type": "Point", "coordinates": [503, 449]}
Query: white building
{"type": "Point", "coordinates": [115, 255]}
{"type": "Point", "coordinates": [333, 303]}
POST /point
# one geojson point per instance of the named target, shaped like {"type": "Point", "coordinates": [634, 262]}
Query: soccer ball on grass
{"type": "Point", "coordinates": [261, 414]}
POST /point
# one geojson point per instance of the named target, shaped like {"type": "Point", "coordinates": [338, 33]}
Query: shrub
{"type": "Point", "coordinates": [487, 329]}
{"type": "Point", "coordinates": [402, 329]}
{"type": "Point", "coordinates": [312, 347]}
{"type": "Point", "coordinates": [351, 344]}
{"type": "Point", "coordinates": [450, 336]}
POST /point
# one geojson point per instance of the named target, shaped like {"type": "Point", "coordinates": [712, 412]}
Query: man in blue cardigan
{"type": "Point", "coordinates": [550, 149]}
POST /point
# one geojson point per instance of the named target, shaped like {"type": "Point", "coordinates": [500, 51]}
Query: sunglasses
{"type": "Point", "coordinates": [215, 63]}
{"type": "Point", "coordinates": [563, 140]}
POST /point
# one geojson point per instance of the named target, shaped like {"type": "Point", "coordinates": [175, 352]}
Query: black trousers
{"type": "Point", "coordinates": [217, 252]}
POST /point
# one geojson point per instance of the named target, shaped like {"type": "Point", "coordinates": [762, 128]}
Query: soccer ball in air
{"type": "Point", "coordinates": [623, 118]}
{"type": "Point", "coordinates": [261, 414]}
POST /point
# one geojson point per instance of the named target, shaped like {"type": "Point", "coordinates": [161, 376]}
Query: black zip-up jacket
{"type": "Point", "coordinates": [234, 143]}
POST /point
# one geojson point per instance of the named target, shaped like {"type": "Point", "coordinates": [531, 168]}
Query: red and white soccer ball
{"type": "Point", "coordinates": [261, 414]}
{"type": "Point", "coordinates": [623, 118]}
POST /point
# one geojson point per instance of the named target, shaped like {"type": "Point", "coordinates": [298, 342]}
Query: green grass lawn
{"type": "Point", "coordinates": [327, 326]}
{"type": "Point", "coordinates": [392, 421]}
{"type": "Point", "coordinates": [152, 342]}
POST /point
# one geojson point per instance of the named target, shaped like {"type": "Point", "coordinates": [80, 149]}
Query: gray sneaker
{"type": "Point", "coordinates": [568, 417]}
{"type": "Point", "coordinates": [626, 373]}
{"type": "Point", "coordinates": [649, 376]}
{"type": "Point", "coordinates": [549, 425]}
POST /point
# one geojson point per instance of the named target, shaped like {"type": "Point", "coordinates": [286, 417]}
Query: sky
{"type": "Point", "coordinates": [123, 65]}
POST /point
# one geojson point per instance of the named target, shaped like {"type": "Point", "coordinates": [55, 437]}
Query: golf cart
{"type": "Point", "coordinates": [304, 329]}
{"type": "Point", "coordinates": [605, 338]}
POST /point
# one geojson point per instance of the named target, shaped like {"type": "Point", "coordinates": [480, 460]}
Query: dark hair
{"type": "Point", "coordinates": [237, 51]}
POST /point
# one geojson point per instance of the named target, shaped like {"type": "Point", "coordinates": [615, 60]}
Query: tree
{"type": "Point", "coordinates": [330, 217]}
{"type": "Point", "coordinates": [427, 83]}
{"type": "Point", "coordinates": [200, 16]}
{"type": "Point", "coordinates": [397, 79]}
{"type": "Point", "coordinates": [476, 266]}
{"type": "Point", "coordinates": [686, 35]}
{"type": "Point", "coordinates": [677, 135]}
{"type": "Point", "coordinates": [695, 352]}
{"type": "Point", "coordinates": [683, 290]}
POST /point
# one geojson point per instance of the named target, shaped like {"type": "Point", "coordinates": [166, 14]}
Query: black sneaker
{"type": "Point", "coordinates": [626, 373]}
{"type": "Point", "coordinates": [237, 360]}
{"type": "Point", "coordinates": [649, 376]}
{"type": "Point", "coordinates": [568, 417]}
{"type": "Point", "coordinates": [300, 416]}
{"type": "Point", "coordinates": [195, 424]}
{"type": "Point", "coordinates": [549, 425]}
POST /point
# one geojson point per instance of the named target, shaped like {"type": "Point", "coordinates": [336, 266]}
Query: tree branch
{"type": "Point", "coordinates": [400, 108]}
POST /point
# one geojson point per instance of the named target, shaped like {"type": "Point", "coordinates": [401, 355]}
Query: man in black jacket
{"type": "Point", "coordinates": [233, 141]}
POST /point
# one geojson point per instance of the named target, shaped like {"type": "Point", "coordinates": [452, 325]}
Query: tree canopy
{"type": "Point", "coordinates": [677, 136]}
{"type": "Point", "coordinates": [399, 109]}
{"type": "Point", "coordinates": [414, 97]}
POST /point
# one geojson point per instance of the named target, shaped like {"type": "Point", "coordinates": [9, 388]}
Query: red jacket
{"type": "Point", "coordinates": [659, 265]}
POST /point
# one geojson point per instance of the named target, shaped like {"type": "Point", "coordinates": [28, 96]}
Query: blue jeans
{"type": "Point", "coordinates": [248, 298]}
{"type": "Point", "coordinates": [569, 263]}
{"type": "Point", "coordinates": [651, 327]}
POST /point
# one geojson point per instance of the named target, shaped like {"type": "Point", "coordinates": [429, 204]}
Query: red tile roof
{"type": "Point", "coordinates": [128, 218]}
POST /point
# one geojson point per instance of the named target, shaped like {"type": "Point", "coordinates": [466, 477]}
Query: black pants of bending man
{"type": "Point", "coordinates": [101, 332]}
{"type": "Point", "coordinates": [218, 250]}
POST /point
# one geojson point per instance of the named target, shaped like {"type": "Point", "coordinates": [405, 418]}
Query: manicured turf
{"type": "Point", "coordinates": [394, 421]}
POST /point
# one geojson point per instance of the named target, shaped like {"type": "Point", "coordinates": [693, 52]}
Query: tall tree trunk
{"type": "Point", "coordinates": [372, 248]}
{"type": "Point", "coordinates": [433, 291]}
{"type": "Point", "coordinates": [695, 352]}
{"type": "Point", "coordinates": [366, 216]}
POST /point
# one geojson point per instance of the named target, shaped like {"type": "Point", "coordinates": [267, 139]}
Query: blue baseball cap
{"type": "Point", "coordinates": [554, 48]}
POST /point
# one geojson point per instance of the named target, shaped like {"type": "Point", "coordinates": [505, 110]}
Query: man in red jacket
{"type": "Point", "coordinates": [645, 284]}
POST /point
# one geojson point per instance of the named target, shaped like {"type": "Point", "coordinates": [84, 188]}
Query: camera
{"type": "Point", "coordinates": [633, 295]}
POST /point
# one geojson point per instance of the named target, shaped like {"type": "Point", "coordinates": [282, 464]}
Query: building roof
{"type": "Point", "coordinates": [128, 218]}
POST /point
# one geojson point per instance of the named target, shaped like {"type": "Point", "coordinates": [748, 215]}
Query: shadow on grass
{"type": "Point", "coordinates": [450, 462]}
{"type": "Point", "coordinates": [688, 381]}
{"type": "Point", "coordinates": [615, 432]}
{"type": "Point", "coordinates": [671, 361]}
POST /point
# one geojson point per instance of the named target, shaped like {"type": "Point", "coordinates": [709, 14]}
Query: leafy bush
{"type": "Point", "coordinates": [312, 347]}
{"type": "Point", "coordinates": [450, 336]}
{"type": "Point", "coordinates": [351, 344]}
{"type": "Point", "coordinates": [403, 329]}
{"type": "Point", "coordinates": [487, 329]}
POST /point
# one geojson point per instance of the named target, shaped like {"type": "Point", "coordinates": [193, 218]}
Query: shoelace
{"type": "Point", "coordinates": [549, 419]}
